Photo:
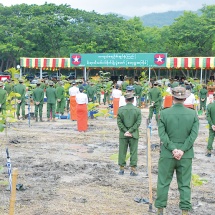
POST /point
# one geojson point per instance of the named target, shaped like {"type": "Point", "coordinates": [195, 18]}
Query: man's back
{"type": "Point", "coordinates": [130, 117]}
{"type": "Point", "coordinates": [51, 95]}
{"type": "Point", "coordinates": [178, 129]}
{"type": "Point", "coordinates": [154, 94]}
{"type": "Point", "coordinates": [211, 113]}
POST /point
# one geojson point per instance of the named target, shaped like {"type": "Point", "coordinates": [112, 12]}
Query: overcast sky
{"type": "Point", "coordinates": [124, 7]}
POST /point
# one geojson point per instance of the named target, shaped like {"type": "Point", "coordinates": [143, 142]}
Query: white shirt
{"type": "Point", "coordinates": [190, 100]}
{"type": "Point", "coordinates": [168, 90]}
{"type": "Point", "coordinates": [123, 103]}
{"type": "Point", "coordinates": [81, 98]}
{"type": "Point", "coordinates": [73, 91]}
{"type": "Point", "coordinates": [116, 93]}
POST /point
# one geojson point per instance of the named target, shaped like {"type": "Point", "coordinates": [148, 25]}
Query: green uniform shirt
{"type": "Point", "coordinates": [43, 86]}
{"type": "Point", "coordinates": [3, 96]}
{"type": "Point", "coordinates": [138, 90]}
{"type": "Point", "coordinates": [60, 92]}
{"type": "Point", "coordinates": [91, 91]}
{"type": "Point", "coordinates": [203, 93]}
{"type": "Point", "coordinates": [8, 87]}
{"type": "Point", "coordinates": [20, 88]}
{"type": "Point", "coordinates": [38, 95]}
{"type": "Point", "coordinates": [154, 95]}
{"type": "Point", "coordinates": [129, 119]}
{"type": "Point", "coordinates": [124, 85]}
{"type": "Point", "coordinates": [211, 114]}
{"type": "Point", "coordinates": [178, 129]}
{"type": "Point", "coordinates": [51, 95]}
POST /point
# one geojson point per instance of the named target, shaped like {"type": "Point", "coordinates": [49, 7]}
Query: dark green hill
{"type": "Point", "coordinates": [160, 19]}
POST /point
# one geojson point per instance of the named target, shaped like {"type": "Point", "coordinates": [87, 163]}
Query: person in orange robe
{"type": "Point", "coordinates": [82, 113]}
{"type": "Point", "coordinates": [73, 91]}
{"type": "Point", "coordinates": [116, 94]}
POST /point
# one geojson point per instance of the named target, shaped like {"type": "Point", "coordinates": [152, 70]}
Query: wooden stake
{"type": "Point", "coordinates": [13, 191]}
{"type": "Point", "coordinates": [149, 167]}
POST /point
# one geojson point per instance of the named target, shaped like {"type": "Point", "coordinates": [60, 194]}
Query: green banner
{"type": "Point", "coordinates": [119, 60]}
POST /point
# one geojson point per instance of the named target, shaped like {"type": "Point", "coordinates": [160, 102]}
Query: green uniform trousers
{"type": "Point", "coordinates": [22, 106]}
{"type": "Point", "coordinates": [40, 109]}
{"type": "Point", "coordinates": [106, 98]}
{"type": "Point", "coordinates": [211, 139]}
{"type": "Point", "coordinates": [124, 143]}
{"type": "Point", "coordinates": [60, 106]}
{"type": "Point", "coordinates": [166, 167]}
{"type": "Point", "coordinates": [98, 98]}
{"type": "Point", "coordinates": [51, 108]}
{"type": "Point", "coordinates": [203, 104]}
{"type": "Point", "coordinates": [156, 107]}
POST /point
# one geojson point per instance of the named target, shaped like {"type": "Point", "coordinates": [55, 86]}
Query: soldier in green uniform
{"type": "Point", "coordinates": [178, 129]}
{"type": "Point", "coordinates": [38, 97]}
{"type": "Point", "coordinates": [138, 93]}
{"type": "Point", "coordinates": [3, 97]}
{"type": "Point", "coordinates": [128, 121]}
{"type": "Point", "coordinates": [98, 92]}
{"type": "Point", "coordinates": [154, 98]}
{"type": "Point", "coordinates": [211, 122]}
{"type": "Point", "coordinates": [21, 89]}
{"type": "Point", "coordinates": [124, 85]}
{"type": "Point", "coordinates": [175, 83]}
{"type": "Point", "coordinates": [8, 87]}
{"type": "Point", "coordinates": [42, 85]}
{"type": "Point", "coordinates": [60, 98]}
{"type": "Point", "coordinates": [203, 93]}
{"type": "Point", "coordinates": [51, 101]}
{"type": "Point", "coordinates": [91, 93]}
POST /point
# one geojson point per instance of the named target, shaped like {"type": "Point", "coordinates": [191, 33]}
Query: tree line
{"type": "Point", "coordinates": [51, 30]}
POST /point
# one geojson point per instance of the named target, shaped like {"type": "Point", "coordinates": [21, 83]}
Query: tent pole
{"type": "Point", "coordinates": [149, 74]}
{"type": "Point", "coordinates": [201, 77]}
{"type": "Point", "coordinates": [41, 73]}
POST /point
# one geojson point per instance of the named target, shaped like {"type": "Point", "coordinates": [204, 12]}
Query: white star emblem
{"type": "Point", "coordinates": [76, 59]}
{"type": "Point", "coordinates": [159, 58]}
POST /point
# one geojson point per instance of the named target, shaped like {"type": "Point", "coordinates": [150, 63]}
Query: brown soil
{"type": "Point", "coordinates": [67, 172]}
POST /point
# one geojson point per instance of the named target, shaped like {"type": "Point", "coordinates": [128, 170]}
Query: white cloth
{"type": "Point", "coordinates": [168, 90]}
{"type": "Point", "coordinates": [116, 93]}
{"type": "Point", "coordinates": [190, 100]}
{"type": "Point", "coordinates": [123, 103]}
{"type": "Point", "coordinates": [73, 91]}
{"type": "Point", "coordinates": [81, 98]}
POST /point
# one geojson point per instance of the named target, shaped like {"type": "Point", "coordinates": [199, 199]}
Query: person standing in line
{"type": "Point", "coordinates": [138, 93]}
{"type": "Point", "coordinates": [38, 97]}
{"type": "Point", "coordinates": [8, 87]}
{"type": "Point", "coordinates": [60, 98]}
{"type": "Point", "coordinates": [178, 130]}
{"type": "Point", "coordinates": [73, 91]}
{"type": "Point", "coordinates": [128, 121]}
{"type": "Point", "coordinates": [190, 100]}
{"type": "Point", "coordinates": [20, 89]}
{"type": "Point", "coordinates": [82, 113]}
{"type": "Point", "coordinates": [116, 94]}
{"type": "Point", "coordinates": [91, 91]}
{"type": "Point", "coordinates": [122, 101]}
{"type": "Point", "coordinates": [203, 93]}
{"type": "Point", "coordinates": [211, 121]}
{"type": "Point", "coordinates": [3, 98]}
{"type": "Point", "coordinates": [154, 98]}
{"type": "Point", "coordinates": [51, 102]}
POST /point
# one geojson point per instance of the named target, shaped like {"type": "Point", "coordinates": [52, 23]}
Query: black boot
{"type": "Point", "coordinates": [121, 171]}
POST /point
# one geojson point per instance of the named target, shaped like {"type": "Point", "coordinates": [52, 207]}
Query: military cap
{"type": "Point", "coordinates": [180, 93]}
{"type": "Point", "coordinates": [21, 80]}
{"type": "Point", "coordinates": [73, 83]}
{"type": "Point", "coordinates": [81, 89]}
{"type": "Point", "coordinates": [39, 82]}
{"type": "Point", "coordinates": [129, 95]}
{"type": "Point", "coordinates": [1, 84]}
{"type": "Point", "coordinates": [60, 82]}
{"type": "Point", "coordinates": [156, 83]}
{"type": "Point", "coordinates": [186, 82]}
{"type": "Point", "coordinates": [129, 88]}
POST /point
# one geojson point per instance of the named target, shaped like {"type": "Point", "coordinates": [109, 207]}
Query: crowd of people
{"type": "Point", "coordinates": [173, 111]}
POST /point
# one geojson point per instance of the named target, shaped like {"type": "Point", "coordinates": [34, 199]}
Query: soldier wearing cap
{"type": "Point", "coordinates": [20, 89]}
{"type": "Point", "coordinates": [154, 98]}
{"type": "Point", "coordinates": [211, 121]}
{"type": "Point", "coordinates": [51, 102]}
{"type": "Point", "coordinates": [8, 86]}
{"type": "Point", "coordinates": [128, 121]}
{"type": "Point", "coordinates": [178, 129]}
{"type": "Point", "coordinates": [38, 97]}
{"type": "Point", "coordinates": [60, 98]}
{"type": "Point", "coordinates": [42, 84]}
{"type": "Point", "coordinates": [129, 89]}
{"type": "Point", "coordinates": [3, 97]}
{"type": "Point", "coordinates": [91, 91]}
{"type": "Point", "coordinates": [203, 93]}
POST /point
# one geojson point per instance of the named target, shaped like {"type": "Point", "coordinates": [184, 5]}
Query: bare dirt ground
{"type": "Point", "coordinates": [67, 172]}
